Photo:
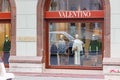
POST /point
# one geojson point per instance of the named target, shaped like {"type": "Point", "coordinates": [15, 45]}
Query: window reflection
{"type": "Point", "coordinates": [75, 5]}
{"type": "Point", "coordinates": [4, 6]}
{"type": "Point", "coordinates": [75, 44]}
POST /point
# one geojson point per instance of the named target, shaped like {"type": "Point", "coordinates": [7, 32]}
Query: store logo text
{"type": "Point", "coordinates": [74, 14]}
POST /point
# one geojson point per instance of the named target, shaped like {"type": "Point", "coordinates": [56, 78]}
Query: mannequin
{"type": "Point", "coordinates": [61, 45]}
{"type": "Point", "coordinates": [94, 49]}
{"type": "Point", "coordinates": [77, 48]}
{"type": "Point", "coordinates": [61, 50]}
{"type": "Point", "coordinates": [6, 49]}
{"type": "Point", "coordinates": [93, 46]}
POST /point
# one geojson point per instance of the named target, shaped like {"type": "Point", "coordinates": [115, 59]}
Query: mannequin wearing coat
{"type": "Point", "coordinates": [77, 48]}
{"type": "Point", "coordinates": [61, 51]}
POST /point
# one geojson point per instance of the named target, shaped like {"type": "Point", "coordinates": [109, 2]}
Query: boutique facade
{"type": "Point", "coordinates": [35, 30]}
{"type": "Point", "coordinates": [7, 24]}
{"type": "Point", "coordinates": [69, 18]}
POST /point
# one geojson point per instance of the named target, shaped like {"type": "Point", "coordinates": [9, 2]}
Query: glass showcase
{"type": "Point", "coordinates": [75, 43]}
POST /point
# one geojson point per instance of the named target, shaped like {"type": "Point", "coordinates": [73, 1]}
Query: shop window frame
{"type": "Point", "coordinates": [43, 6]}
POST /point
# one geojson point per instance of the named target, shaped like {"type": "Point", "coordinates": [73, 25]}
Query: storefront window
{"type": "Point", "coordinates": [4, 6]}
{"type": "Point", "coordinates": [75, 44]}
{"type": "Point", "coordinates": [75, 5]}
{"type": "Point", "coordinates": [75, 37]}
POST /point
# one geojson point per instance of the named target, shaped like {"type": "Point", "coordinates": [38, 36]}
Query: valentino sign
{"type": "Point", "coordinates": [74, 14]}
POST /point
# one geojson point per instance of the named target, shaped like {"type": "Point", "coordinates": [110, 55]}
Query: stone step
{"type": "Point", "coordinates": [25, 64]}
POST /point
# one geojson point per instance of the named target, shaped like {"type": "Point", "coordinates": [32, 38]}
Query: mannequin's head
{"type": "Point", "coordinates": [76, 36]}
{"type": "Point", "coordinates": [93, 37]}
{"type": "Point", "coordinates": [61, 37]}
{"type": "Point", "coordinates": [6, 37]}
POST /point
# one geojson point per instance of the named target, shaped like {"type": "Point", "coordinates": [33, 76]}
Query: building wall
{"type": "Point", "coordinates": [115, 28]}
{"type": "Point", "coordinates": [26, 27]}
{"type": "Point", "coordinates": [26, 32]}
{"type": "Point", "coordinates": [27, 22]}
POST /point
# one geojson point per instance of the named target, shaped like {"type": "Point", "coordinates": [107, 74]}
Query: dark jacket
{"type": "Point", "coordinates": [53, 49]}
{"type": "Point", "coordinates": [61, 47]}
{"type": "Point", "coordinates": [93, 45]}
{"type": "Point", "coordinates": [6, 46]}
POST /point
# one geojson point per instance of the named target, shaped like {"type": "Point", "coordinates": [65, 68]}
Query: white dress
{"type": "Point", "coordinates": [77, 43]}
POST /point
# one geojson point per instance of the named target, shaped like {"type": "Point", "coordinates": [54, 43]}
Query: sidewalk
{"type": "Point", "coordinates": [50, 78]}
{"type": "Point", "coordinates": [53, 76]}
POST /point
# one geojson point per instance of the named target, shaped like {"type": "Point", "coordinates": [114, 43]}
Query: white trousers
{"type": "Point", "coordinates": [77, 58]}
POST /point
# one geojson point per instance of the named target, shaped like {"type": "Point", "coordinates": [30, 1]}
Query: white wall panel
{"type": "Point", "coordinates": [21, 21]}
{"type": "Point", "coordinates": [115, 28]}
{"type": "Point", "coordinates": [26, 32]}
{"type": "Point", "coordinates": [115, 50]}
{"type": "Point", "coordinates": [26, 48]}
{"type": "Point", "coordinates": [115, 36]}
{"type": "Point", "coordinates": [115, 6]}
{"type": "Point", "coordinates": [26, 6]}
{"type": "Point", "coordinates": [26, 21]}
{"type": "Point", "coordinates": [26, 27]}
{"type": "Point", "coordinates": [115, 20]}
{"type": "Point", "coordinates": [21, 48]}
{"type": "Point", "coordinates": [31, 21]}
{"type": "Point", "coordinates": [115, 43]}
